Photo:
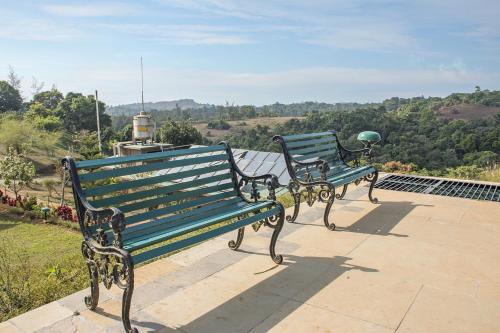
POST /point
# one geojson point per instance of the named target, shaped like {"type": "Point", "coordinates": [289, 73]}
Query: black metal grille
{"type": "Point", "coordinates": [449, 188]}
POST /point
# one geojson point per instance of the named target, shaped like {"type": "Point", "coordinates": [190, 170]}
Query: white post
{"type": "Point", "coordinates": [98, 122]}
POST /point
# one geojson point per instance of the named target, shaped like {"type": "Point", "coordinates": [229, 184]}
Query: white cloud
{"type": "Point", "coordinates": [184, 34]}
{"type": "Point", "coordinates": [27, 28]}
{"type": "Point", "coordinates": [327, 84]}
{"type": "Point", "coordinates": [97, 9]}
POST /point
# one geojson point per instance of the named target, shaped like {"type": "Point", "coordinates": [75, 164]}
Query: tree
{"type": "Point", "coordinates": [10, 98]}
{"type": "Point", "coordinates": [78, 113]}
{"type": "Point", "coordinates": [179, 133]}
{"type": "Point", "coordinates": [16, 171]}
{"type": "Point", "coordinates": [49, 99]}
{"type": "Point", "coordinates": [14, 80]}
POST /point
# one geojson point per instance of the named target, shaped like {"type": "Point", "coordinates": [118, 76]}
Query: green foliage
{"type": "Point", "coordinates": [78, 113]}
{"type": "Point", "coordinates": [16, 171]}
{"type": "Point", "coordinates": [218, 124]}
{"type": "Point", "coordinates": [179, 133]}
{"type": "Point", "coordinates": [10, 98]}
{"type": "Point", "coordinates": [465, 172]}
{"type": "Point", "coordinates": [48, 99]}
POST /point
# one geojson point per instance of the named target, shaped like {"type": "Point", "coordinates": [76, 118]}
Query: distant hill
{"type": "Point", "coordinates": [467, 111]}
{"type": "Point", "coordinates": [132, 109]}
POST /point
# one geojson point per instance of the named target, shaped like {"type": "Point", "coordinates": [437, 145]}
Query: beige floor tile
{"type": "Point", "coordinates": [440, 311]}
{"type": "Point", "coordinates": [41, 317]}
{"type": "Point", "coordinates": [7, 327]}
{"type": "Point", "coordinates": [107, 314]}
{"type": "Point", "coordinates": [362, 292]}
{"type": "Point", "coordinates": [215, 305]}
{"type": "Point", "coordinates": [299, 317]}
{"type": "Point", "coordinates": [152, 271]}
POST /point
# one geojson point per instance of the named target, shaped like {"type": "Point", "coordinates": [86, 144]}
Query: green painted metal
{"type": "Point", "coordinates": [369, 137]}
{"type": "Point", "coordinates": [124, 171]}
{"type": "Point", "coordinates": [146, 230]}
{"type": "Point", "coordinates": [297, 137]}
{"type": "Point", "coordinates": [310, 142]}
{"type": "Point", "coordinates": [163, 190]}
{"type": "Point", "coordinates": [130, 219]}
{"type": "Point", "coordinates": [126, 185]}
{"type": "Point", "coordinates": [154, 253]}
{"type": "Point", "coordinates": [197, 225]}
{"type": "Point", "coordinates": [315, 149]}
{"type": "Point", "coordinates": [146, 157]}
{"type": "Point", "coordinates": [181, 195]}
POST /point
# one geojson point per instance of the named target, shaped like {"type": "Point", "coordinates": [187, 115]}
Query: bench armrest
{"type": "Point", "coordinates": [88, 215]}
{"type": "Point", "coordinates": [269, 180]}
{"type": "Point", "coordinates": [357, 153]}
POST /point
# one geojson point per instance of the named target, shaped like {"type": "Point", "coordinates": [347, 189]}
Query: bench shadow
{"type": "Point", "coordinates": [263, 304]}
{"type": "Point", "coordinates": [379, 221]}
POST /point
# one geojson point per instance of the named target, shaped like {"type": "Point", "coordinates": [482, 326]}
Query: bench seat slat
{"type": "Point", "coordinates": [153, 253]}
{"type": "Point", "coordinates": [145, 157]}
{"type": "Point", "coordinates": [177, 196]}
{"type": "Point", "coordinates": [356, 173]}
{"type": "Point", "coordinates": [297, 137]}
{"type": "Point", "coordinates": [144, 230]}
{"type": "Point", "coordinates": [101, 190]}
{"type": "Point", "coordinates": [116, 200]}
{"type": "Point", "coordinates": [192, 226]}
{"type": "Point", "coordinates": [168, 164]}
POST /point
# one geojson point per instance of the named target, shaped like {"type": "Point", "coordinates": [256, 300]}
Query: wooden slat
{"type": "Point", "coordinates": [196, 225]}
{"type": "Point", "coordinates": [101, 190]}
{"type": "Point", "coordinates": [103, 174]}
{"type": "Point", "coordinates": [297, 137]}
{"type": "Point", "coordinates": [177, 196]}
{"type": "Point", "coordinates": [146, 157]}
{"type": "Point", "coordinates": [328, 147]}
{"type": "Point", "coordinates": [144, 230]}
{"type": "Point", "coordinates": [153, 253]}
{"type": "Point", "coordinates": [176, 207]}
{"type": "Point", "coordinates": [119, 199]}
{"type": "Point", "coordinates": [305, 143]}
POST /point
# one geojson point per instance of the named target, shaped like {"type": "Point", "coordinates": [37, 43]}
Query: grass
{"type": "Point", "coordinates": [39, 263]}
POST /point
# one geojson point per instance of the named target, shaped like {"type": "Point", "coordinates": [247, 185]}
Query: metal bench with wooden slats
{"type": "Point", "coordinates": [318, 161]}
{"type": "Point", "coordinates": [135, 208]}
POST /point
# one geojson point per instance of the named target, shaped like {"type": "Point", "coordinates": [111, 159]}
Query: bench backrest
{"type": "Point", "coordinates": [162, 186]}
{"type": "Point", "coordinates": [309, 147]}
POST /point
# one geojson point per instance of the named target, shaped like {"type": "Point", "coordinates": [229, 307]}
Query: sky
{"type": "Point", "coordinates": [253, 52]}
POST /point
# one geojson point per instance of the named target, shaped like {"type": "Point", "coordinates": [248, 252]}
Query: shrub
{"type": "Point", "coordinates": [218, 124]}
{"type": "Point", "coordinates": [65, 212]}
{"type": "Point", "coordinates": [396, 166]}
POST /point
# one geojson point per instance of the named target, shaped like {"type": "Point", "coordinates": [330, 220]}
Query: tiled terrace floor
{"type": "Point", "coordinates": [413, 263]}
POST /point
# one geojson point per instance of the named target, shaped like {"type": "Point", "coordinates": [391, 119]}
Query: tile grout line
{"type": "Point", "coordinates": [409, 308]}
{"type": "Point", "coordinates": [357, 245]}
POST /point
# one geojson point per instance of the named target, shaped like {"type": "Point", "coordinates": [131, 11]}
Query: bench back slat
{"type": "Point", "coordinates": [311, 146]}
{"type": "Point", "coordinates": [88, 164]}
{"type": "Point", "coordinates": [158, 188]}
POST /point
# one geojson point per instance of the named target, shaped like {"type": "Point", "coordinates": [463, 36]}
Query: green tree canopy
{"type": "Point", "coordinates": [179, 133]}
{"type": "Point", "coordinates": [50, 99]}
{"type": "Point", "coordinates": [78, 113]}
{"type": "Point", "coordinates": [10, 98]}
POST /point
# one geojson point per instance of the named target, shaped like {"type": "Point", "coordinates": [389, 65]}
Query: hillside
{"type": "Point", "coordinates": [132, 109]}
{"type": "Point", "coordinates": [467, 111]}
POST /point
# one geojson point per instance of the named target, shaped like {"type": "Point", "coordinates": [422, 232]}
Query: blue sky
{"type": "Point", "coordinates": [255, 52]}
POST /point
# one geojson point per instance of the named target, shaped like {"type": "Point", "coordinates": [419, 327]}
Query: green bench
{"type": "Point", "coordinates": [135, 208]}
{"type": "Point", "coordinates": [317, 163]}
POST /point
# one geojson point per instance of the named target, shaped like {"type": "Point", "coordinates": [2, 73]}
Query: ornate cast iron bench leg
{"type": "Point", "coordinates": [280, 220]}
{"type": "Point", "coordinates": [294, 188]}
{"type": "Point", "coordinates": [235, 245]}
{"type": "Point", "coordinates": [340, 196]}
{"type": "Point", "coordinates": [328, 195]}
{"type": "Point", "coordinates": [372, 178]}
{"type": "Point", "coordinates": [92, 300]}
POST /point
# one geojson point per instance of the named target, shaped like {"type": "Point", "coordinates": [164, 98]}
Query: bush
{"type": "Point", "coordinates": [65, 212]}
{"type": "Point", "coordinates": [398, 167]}
{"type": "Point", "coordinates": [218, 124]}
